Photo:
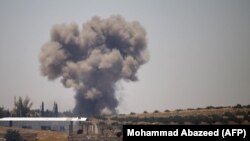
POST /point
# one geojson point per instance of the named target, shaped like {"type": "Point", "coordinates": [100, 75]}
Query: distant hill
{"type": "Point", "coordinates": [209, 116]}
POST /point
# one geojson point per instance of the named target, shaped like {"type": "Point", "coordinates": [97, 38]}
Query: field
{"type": "Point", "coordinates": [40, 135]}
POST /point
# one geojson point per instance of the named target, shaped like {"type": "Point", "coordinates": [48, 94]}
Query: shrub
{"type": "Point", "coordinates": [167, 110]}
{"type": "Point", "coordinates": [132, 113]}
{"type": "Point", "coordinates": [247, 106]}
{"type": "Point", "coordinates": [210, 107]}
{"type": "Point", "coordinates": [156, 111]}
{"type": "Point", "coordinates": [12, 135]}
{"type": "Point", "coordinates": [178, 110]}
{"type": "Point", "coordinates": [237, 106]}
{"type": "Point", "coordinates": [219, 107]}
{"type": "Point", "coordinates": [239, 112]}
{"type": "Point", "coordinates": [4, 112]}
{"type": "Point", "coordinates": [247, 117]}
{"type": "Point", "coordinates": [178, 119]}
{"type": "Point", "coordinates": [216, 118]}
{"type": "Point", "coordinates": [232, 117]}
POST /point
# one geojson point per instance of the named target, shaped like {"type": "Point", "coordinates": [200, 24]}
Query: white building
{"type": "Point", "coordinates": [44, 123]}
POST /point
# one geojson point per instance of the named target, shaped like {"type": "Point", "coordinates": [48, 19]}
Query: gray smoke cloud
{"type": "Point", "coordinates": [94, 59]}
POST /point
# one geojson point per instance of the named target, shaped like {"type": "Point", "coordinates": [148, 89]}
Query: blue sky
{"type": "Point", "coordinates": [199, 51]}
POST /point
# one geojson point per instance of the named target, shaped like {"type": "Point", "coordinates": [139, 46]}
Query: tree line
{"type": "Point", "coordinates": [23, 108]}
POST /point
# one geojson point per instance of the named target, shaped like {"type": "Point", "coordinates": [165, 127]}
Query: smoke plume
{"type": "Point", "coordinates": [94, 59]}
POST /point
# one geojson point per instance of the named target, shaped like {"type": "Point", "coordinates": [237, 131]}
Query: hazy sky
{"type": "Point", "coordinates": [199, 51]}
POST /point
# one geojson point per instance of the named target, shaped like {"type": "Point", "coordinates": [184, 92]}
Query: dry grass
{"type": "Point", "coordinates": [51, 136]}
{"type": "Point", "coordinates": [41, 135]}
{"type": "Point", "coordinates": [186, 112]}
{"type": "Point", "coordinates": [221, 115]}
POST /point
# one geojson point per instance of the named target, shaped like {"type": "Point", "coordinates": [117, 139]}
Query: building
{"type": "Point", "coordinates": [78, 128]}
{"type": "Point", "coordinates": [67, 124]}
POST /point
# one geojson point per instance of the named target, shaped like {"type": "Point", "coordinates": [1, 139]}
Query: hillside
{"type": "Point", "coordinates": [201, 116]}
{"type": "Point", "coordinates": [210, 115]}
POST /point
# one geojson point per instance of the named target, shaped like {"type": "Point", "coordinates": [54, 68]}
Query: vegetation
{"type": "Point", "coordinates": [209, 115]}
{"type": "Point", "coordinates": [68, 113]}
{"type": "Point", "coordinates": [207, 119]}
{"type": "Point", "coordinates": [42, 110]}
{"type": "Point", "coordinates": [210, 107]}
{"type": "Point", "coordinates": [132, 113]}
{"type": "Point", "coordinates": [22, 107]}
{"type": "Point", "coordinates": [167, 110]}
{"type": "Point", "coordinates": [4, 112]}
{"type": "Point", "coordinates": [238, 114]}
{"type": "Point", "coordinates": [237, 106]}
{"type": "Point", "coordinates": [55, 109]}
{"type": "Point", "coordinates": [178, 110]}
{"type": "Point", "coordinates": [156, 111]}
{"type": "Point", "coordinates": [12, 135]}
{"type": "Point", "coordinates": [38, 135]}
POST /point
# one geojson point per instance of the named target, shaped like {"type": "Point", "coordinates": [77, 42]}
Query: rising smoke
{"type": "Point", "coordinates": [93, 60]}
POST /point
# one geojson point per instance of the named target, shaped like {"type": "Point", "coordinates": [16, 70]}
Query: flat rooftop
{"type": "Point", "coordinates": [43, 119]}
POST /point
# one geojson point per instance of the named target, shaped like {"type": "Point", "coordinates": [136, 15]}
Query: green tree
{"type": "Point", "coordinates": [12, 135]}
{"type": "Point", "coordinates": [237, 106]}
{"type": "Point", "coordinates": [55, 109]}
{"type": "Point", "coordinates": [22, 107]}
{"type": "Point", "coordinates": [68, 113]}
{"type": "Point", "coordinates": [156, 111]}
{"type": "Point", "coordinates": [42, 110]}
{"type": "Point", "coordinates": [4, 112]}
{"type": "Point", "coordinates": [167, 110]}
